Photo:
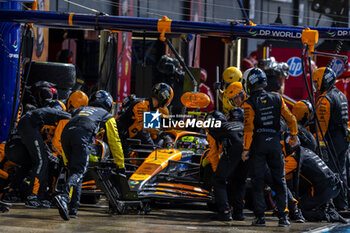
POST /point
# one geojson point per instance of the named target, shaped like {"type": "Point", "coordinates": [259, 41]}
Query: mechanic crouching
{"type": "Point", "coordinates": [29, 129]}
{"type": "Point", "coordinates": [77, 138]}
{"type": "Point", "coordinates": [315, 202]}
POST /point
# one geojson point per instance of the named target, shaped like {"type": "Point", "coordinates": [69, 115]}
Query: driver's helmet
{"type": "Point", "coordinates": [188, 143]}
{"type": "Point", "coordinates": [168, 142]}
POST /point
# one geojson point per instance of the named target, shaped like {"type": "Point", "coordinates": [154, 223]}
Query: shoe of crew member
{"type": "Point", "coordinates": [283, 222]}
{"type": "Point", "coordinates": [62, 205]}
{"type": "Point", "coordinates": [238, 215]}
{"type": "Point", "coordinates": [259, 221]}
{"type": "Point", "coordinates": [297, 216]}
{"type": "Point", "coordinates": [33, 202]}
{"type": "Point", "coordinates": [334, 216]}
{"type": "Point", "coordinates": [73, 213]}
{"type": "Point", "coordinates": [224, 216]}
{"type": "Point", "coordinates": [4, 207]}
{"type": "Point", "coordinates": [46, 203]}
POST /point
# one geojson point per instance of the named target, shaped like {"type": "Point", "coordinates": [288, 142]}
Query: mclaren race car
{"type": "Point", "coordinates": [169, 171]}
{"type": "Point", "coordinates": [172, 172]}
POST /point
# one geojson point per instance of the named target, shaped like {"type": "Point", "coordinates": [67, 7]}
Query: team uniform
{"type": "Point", "coordinates": [29, 128]}
{"type": "Point", "coordinates": [130, 122]}
{"type": "Point", "coordinates": [332, 113]}
{"type": "Point", "coordinates": [230, 169]}
{"type": "Point", "coordinates": [262, 113]}
{"type": "Point", "coordinates": [130, 119]}
{"type": "Point", "coordinates": [77, 138]}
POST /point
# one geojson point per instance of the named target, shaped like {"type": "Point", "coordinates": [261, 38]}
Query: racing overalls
{"type": "Point", "coordinates": [29, 128]}
{"type": "Point", "coordinates": [230, 169]}
{"type": "Point", "coordinates": [325, 184]}
{"type": "Point", "coordinates": [130, 122]}
{"type": "Point", "coordinates": [262, 113]}
{"type": "Point", "coordinates": [17, 153]}
{"type": "Point", "coordinates": [318, 183]}
{"type": "Point", "coordinates": [77, 138]}
{"type": "Point", "coordinates": [291, 162]}
{"type": "Point", "coordinates": [5, 166]}
{"type": "Point", "coordinates": [4, 178]}
{"type": "Point", "coordinates": [332, 114]}
{"type": "Point", "coordinates": [3, 173]}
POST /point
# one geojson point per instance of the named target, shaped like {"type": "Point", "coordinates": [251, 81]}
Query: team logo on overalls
{"type": "Point", "coordinates": [151, 120]}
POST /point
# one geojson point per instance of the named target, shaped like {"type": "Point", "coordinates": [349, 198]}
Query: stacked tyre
{"type": "Point", "coordinates": [61, 74]}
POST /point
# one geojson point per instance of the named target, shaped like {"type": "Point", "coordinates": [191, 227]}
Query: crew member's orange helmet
{"type": "Point", "coordinates": [76, 100]}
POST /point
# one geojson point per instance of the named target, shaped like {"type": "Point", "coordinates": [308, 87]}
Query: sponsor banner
{"type": "Point", "coordinates": [277, 33]}
{"type": "Point", "coordinates": [124, 54]}
{"type": "Point", "coordinates": [295, 66]}
{"type": "Point", "coordinates": [41, 35]}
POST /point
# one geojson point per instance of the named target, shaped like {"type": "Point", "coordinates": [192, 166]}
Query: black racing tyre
{"type": "Point", "coordinates": [61, 74]}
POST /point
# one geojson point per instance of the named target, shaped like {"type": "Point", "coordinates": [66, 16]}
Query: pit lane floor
{"type": "Point", "coordinates": [163, 218]}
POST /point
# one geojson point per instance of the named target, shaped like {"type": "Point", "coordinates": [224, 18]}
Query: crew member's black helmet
{"type": "Point", "coordinates": [101, 99]}
{"type": "Point", "coordinates": [255, 78]}
{"type": "Point", "coordinates": [163, 93]}
{"type": "Point", "coordinates": [324, 78]}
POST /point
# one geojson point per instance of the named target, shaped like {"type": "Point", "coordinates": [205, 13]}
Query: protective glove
{"type": "Point", "coordinates": [294, 141]}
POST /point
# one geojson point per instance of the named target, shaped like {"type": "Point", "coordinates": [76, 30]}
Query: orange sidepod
{"type": "Point", "coordinates": [155, 162]}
